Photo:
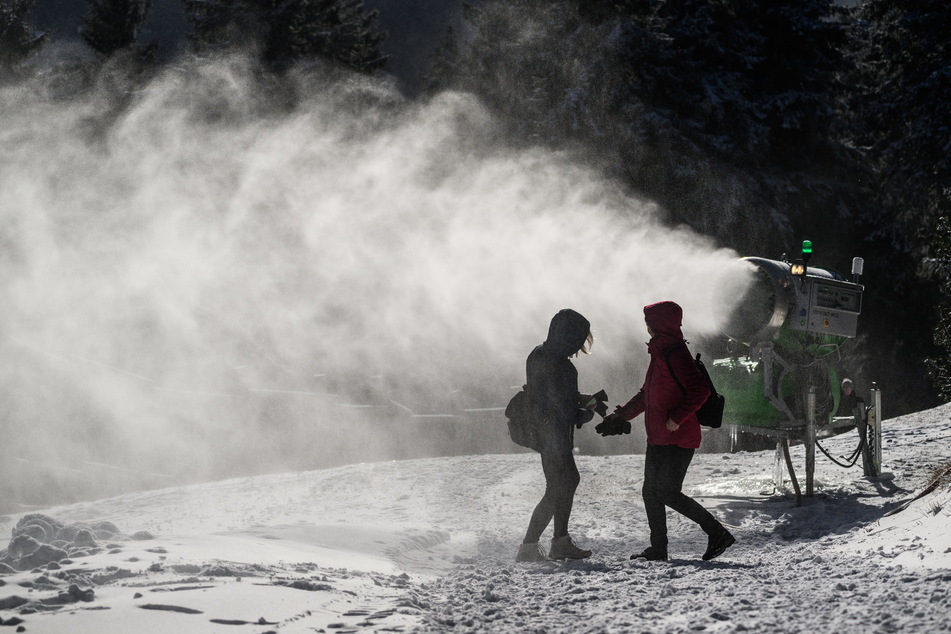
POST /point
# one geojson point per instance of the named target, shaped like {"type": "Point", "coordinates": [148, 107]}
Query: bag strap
{"type": "Point", "coordinates": [700, 366]}
{"type": "Point", "coordinates": [671, 368]}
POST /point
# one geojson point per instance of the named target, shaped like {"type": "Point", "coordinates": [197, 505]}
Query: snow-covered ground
{"type": "Point", "coordinates": [429, 545]}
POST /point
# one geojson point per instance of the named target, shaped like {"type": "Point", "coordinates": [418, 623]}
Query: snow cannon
{"type": "Point", "coordinates": [784, 340]}
{"type": "Point", "coordinates": [791, 300]}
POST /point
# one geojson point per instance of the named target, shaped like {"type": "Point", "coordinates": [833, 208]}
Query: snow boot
{"type": "Point", "coordinates": [717, 543]}
{"type": "Point", "coordinates": [564, 548]}
{"type": "Point", "coordinates": [652, 553]}
{"type": "Point", "coordinates": [530, 552]}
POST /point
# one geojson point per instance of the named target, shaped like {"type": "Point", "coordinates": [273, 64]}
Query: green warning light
{"type": "Point", "coordinates": [807, 247]}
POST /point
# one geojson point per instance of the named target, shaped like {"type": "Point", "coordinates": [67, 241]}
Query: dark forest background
{"type": "Point", "coordinates": [759, 124]}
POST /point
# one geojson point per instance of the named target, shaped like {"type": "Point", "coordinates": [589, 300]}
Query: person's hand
{"type": "Point", "coordinates": [671, 425]}
{"type": "Point", "coordinates": [584, 415]}
{"type": "Point", "coordinates": [613, 425]}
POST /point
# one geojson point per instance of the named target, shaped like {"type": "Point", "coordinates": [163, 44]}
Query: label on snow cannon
{"type": "Point", "coordinates": [827, 306]}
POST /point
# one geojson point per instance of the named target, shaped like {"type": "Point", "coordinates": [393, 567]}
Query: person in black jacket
{"type": "Point", "coordinates": [849, 401]}
{"type": "Point", "coordinates": [552, 380]}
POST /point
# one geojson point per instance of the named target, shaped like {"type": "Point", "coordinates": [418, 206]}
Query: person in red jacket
{"type": "Point", "coordinates": [673, 390]}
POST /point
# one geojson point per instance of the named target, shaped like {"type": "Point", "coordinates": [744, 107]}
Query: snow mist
{"type": "Point", "coordinates": [203, 284]}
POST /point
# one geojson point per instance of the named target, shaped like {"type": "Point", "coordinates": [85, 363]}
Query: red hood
{"type": "Point", "coordinates": [665, 318]}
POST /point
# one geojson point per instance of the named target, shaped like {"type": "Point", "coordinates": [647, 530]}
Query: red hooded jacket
{"type": "Point", "coordinates": [661, 397]}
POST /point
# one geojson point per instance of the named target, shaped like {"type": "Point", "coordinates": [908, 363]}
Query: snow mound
{"type": "Point", "coordinates": [39, 540]}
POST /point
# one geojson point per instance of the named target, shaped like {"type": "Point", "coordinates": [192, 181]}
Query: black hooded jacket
{"type": "Point", "coordinates": [553, 382]}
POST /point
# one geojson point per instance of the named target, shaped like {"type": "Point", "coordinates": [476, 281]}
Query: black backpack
{"type": "Point", "coordinates": [523, 426]}
{"type": "Point", "coordinates": [710, 413]}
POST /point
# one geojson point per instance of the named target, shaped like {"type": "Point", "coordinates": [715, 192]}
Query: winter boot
{"type": "Point", "coordinates": [564, 548]}
{"type": "Point", "coordinates": [530, 552]}
{"type": "Point", "coordinates": [717, 543]}
{"type": "Point", "coordinates": [652, 553]}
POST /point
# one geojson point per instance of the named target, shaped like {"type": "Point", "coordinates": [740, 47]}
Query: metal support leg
{"type": "Point", "coordinates": [810, 440]}
{"type": "Point", "coordinates": [865, 445]}
{"type": "Point", "coordinates": [875, 430]}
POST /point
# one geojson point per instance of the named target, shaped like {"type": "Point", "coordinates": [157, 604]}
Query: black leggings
{"type": "Point", "coordinates": [665, 467]}
{"type": "Point", "coordinates": [561, 480]}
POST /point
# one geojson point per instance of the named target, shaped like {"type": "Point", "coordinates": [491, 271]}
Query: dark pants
{"type": "Point", "coordinates": [561, 480]}
{"type": "Point", "coordinates": [665, 467]}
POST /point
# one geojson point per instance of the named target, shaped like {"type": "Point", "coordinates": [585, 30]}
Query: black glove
{"type": "Point", "coordinates": [584, 415]}
{"type": "Point", "coordinates": [613, 425]}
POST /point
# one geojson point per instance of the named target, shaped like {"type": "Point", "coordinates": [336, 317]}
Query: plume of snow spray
{"type": "Point", "coordinates": [205, 284]}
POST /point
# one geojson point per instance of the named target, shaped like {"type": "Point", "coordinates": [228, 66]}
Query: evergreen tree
{"type": "Point", "coordinates": [751, 82]}
{"type": "Point", "coordinates": [901, 113]}
{"type": "Point", "coordinates": [288, 31]}
{"type": "Point", "coordinates": [742, 103]}
{"type": "Point", "coordinates": [114, 25]}
{"type": "Point", "coordinates": [444, 64]}
{"type": "Point", "coordinates": [19, 40]}
{"type": "Point", "coordinates": [541, 68]}
{"type": "Point", "coordinates": [721, 110]}
{"type": "Point", "coordinates": [902, 123]}
{"type": "Point", "coordinates": [939, 366]}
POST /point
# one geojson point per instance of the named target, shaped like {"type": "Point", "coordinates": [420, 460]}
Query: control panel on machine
{"type": "Point", "coordinates": [826, 305]}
